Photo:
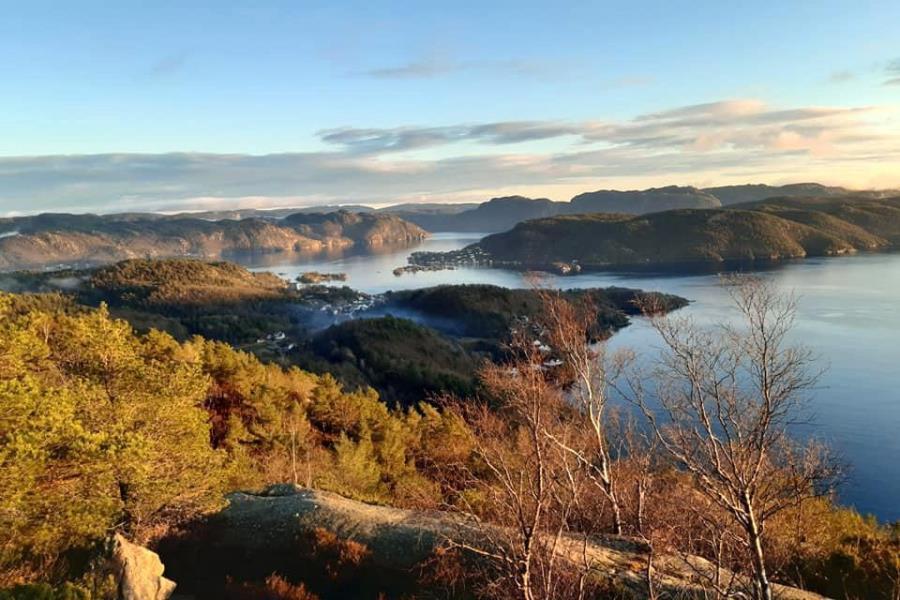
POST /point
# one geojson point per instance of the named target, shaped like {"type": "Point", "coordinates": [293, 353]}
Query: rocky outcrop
{"type": "Point", "coordinates": [138, 572]}
{"type": "Point", "coordinates": [399, 541]}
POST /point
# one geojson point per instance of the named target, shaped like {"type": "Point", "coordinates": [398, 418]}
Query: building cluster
{"type": "Point", "coordinates": [471, 256]}
{"type": "Point", "coordinates": [277, 341]}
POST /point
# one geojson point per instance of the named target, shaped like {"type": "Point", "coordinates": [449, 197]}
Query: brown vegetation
{"type": "Point", "coordinates": [551, 493]}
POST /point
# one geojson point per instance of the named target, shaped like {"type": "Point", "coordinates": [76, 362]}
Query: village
{"type": "Point", "coordinates": [471, 256]}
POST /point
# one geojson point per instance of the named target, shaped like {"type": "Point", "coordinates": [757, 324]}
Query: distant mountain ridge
{"type": "Point", "coordinates": [497, 214]}
{"type": "Point", "coordinates": [642, 201]}
{"type": "Point", "coordinates": [501, 214]}
{"type": "Point", "coordinates": [51, 240]}
{"type": "Point", "coordinates": [736, 194]}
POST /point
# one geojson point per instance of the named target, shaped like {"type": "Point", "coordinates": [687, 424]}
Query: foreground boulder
{"type": "Point", "coordinates": [138, 572]}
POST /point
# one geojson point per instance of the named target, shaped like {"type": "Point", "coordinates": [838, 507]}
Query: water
{"type": "Point", "coordinates": [849, 315]}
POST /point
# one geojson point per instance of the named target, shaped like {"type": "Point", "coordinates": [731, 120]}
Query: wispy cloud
{"type": "Point", "coordinates": [361, 140]}
{"type": "Point", "coordinates": [424, 69]}
{"type": "Point", "coordinates": [169, 64]}
{"type": "Point", "coordinates": [727, 141]}
{"type": "Point", "coordinates": [842, 76]}
{"type": "Point", "coordinates": [428, 68]}
{"type": "Point", "coordinates": [892, 72]}
{"type": "Point", "coordinates": [724, 124]}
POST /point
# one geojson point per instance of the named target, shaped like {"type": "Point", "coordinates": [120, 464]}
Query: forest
{"type": "Point", "coordinates": [103, 430]}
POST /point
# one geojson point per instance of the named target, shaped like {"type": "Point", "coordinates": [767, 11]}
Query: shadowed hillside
{"type": "Point", "coordinates": [497, 214]}
{"type": "Point", "coordinates": [770, 230]}
{"type": "Point", "coordinates": [283, 529]}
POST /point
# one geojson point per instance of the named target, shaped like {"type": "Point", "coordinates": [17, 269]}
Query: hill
{"type": "Point", "coordinates": [770, 230]}
{"type": "Point", "coordinates": [497, 214]}
{"type": "Point", "coordinates": [406, 345]}
{"type": "Point", "coordinates": [638, 202]}
{"type": "Point", "coordinates": [753, 192]}
{"type": "Point", "coordinates": [184, 282]}
{"type": "Point", "coordinates": [54, 240]}
{"type": "Point", "coordinates": [490, 312]}
{"type": "Point", "coordinates": [403, 360]}
{"type": "Point", "coordinates": [501, 214]}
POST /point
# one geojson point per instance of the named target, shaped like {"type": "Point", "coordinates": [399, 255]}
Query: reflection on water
{"type": "Point", "coordinates": [268, 260]}
{"type": "Point", "coordinates": [373, 271]}
{"type": "Point", "coordinates": [848, 314]}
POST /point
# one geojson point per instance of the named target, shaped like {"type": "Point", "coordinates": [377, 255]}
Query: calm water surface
{"type": "Point", "coordinates": [849, 314]}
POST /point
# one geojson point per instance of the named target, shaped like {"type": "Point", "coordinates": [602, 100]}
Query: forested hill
{"type": "Point", "coordinates": [497, 214]}
{"type": "Point", "coordinates": [769, 230]}
{"type": "Point", "coordinates": [754, 192]}
{"type": "Point", "coordinates": [500, 214]}
{"type": "Point", "coordinates": [81, 240]}
{"type": "Point", "coordinates": [638, 202]}
{"type": "Point", "coordinates": [105, 429]}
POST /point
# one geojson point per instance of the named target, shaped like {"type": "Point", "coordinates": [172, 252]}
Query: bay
{"type": "Point", "coordinates": [848, 314]}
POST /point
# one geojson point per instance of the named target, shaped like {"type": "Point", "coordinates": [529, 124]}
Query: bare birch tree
{"type": "Point", "coordinates": [524, 488]}
{"type": "Point", "coordinates": [725, 400]}
{"type": "Point", "coordinates": [569, 328]}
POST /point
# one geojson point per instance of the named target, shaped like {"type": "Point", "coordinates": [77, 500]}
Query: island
{"type": "Point", "coordinates": [764, 231]}
{"type": "Point", "coordinates": [314, 277]}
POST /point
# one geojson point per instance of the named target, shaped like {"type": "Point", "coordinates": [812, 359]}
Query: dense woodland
{"type": "Point", "coordinates": [410, 344]}
{"type": "Point", "coordinates": [103, 429]}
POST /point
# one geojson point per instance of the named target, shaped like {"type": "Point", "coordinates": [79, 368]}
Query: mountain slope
{"type": "Point", "coordinates": [501, 214]}
{"type": "Point", "coordinates": [53, 240]}
{"type": "Point", "coordinates": [638, 202]}
{"type": "Point", "coordinates": [772, 230]}
{"type": "Point", "coordinates": [736, 194]}
{"type": "Point", "coordinates": [497, 214]}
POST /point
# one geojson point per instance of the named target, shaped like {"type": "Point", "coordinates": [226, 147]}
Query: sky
{"type": "Point", "coordinates": [190, 105]}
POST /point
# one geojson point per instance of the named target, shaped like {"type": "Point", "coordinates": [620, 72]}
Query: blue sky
{"type": "Point", "coordinates": [173, 105]}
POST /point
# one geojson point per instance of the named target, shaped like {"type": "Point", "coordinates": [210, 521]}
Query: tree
{"type": "Point", "coordinates": [569, 328]}
{"type": "Point", "coordinates": [725, 400]}
{"type": "Point", "coordinates": [99, 429]}
{"type": "Point", "coordinates": [523, 487]}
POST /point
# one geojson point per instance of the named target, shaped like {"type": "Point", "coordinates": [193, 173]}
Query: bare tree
{"type": "Point", "coordinates": [569, 328]}
{"type": "Point", "coordinates": [725, 399]}
{"type": "Point", "coordinates": [523, 488]}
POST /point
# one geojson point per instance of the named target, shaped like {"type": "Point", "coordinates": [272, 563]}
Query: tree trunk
{"type": "Point", "coordinates": [617, 515]}
{"type": "Point", "coordinates": [525, 581]}
{"type": "Point", "coordinates": [762, 587]}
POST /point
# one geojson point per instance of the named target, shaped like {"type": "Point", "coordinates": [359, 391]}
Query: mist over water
{"type": "Point", "coordinates": [848, 314]}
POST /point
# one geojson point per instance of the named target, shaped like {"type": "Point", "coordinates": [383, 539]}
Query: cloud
{"type": "Point", "coordinates": [430, 68]}
{"type": "Point", "coordinates": [842, 76]}
{"type": "Point", "coordinates": [414, 70]}
{"type": "Point", "coordinates": [728, 141]}
{"type": "Point", "coordinates": [892, 72]}
{"type": "Point", "coordinates": [360, 140]}
{"type": "Point", "coordinates": [168, 65]}
{"type": "Point", "coordinates": [728, 123]}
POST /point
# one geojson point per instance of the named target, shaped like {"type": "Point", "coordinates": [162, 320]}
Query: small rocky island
{"type": "Point", "coordinates": [314, 277]}
{"type": "Point", "coordinates": [472, 256]}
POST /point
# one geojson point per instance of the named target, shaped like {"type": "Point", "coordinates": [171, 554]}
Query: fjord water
{"type": "Point", "coordinates": [848, 314]}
